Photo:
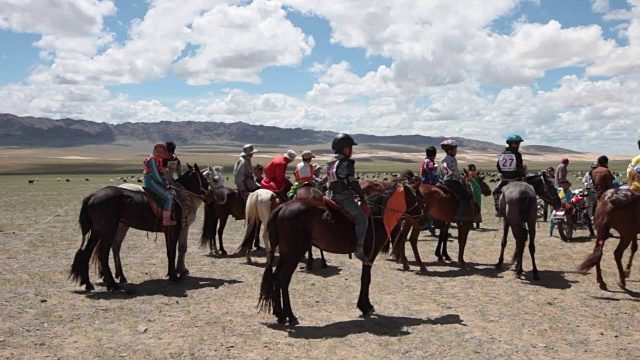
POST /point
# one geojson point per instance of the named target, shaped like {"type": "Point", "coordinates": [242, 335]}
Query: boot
{"type": "Point", "coordinates": [360, 252]}
{"type": "Point", "coordinates": [166, 218]}
{"type": "Point", "coordinates": [460, 212]}
{"type": "Point", "coordinates": [496, 203]}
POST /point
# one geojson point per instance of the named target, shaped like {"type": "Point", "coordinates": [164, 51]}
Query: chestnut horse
{"type": "Point", "coordinates": [296, 225]}
{"type": "Point", "coordinates": [618, 209]}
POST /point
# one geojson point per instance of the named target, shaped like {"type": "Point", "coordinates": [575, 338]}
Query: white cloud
{"type": "Point", "coordinates": [600, 6]}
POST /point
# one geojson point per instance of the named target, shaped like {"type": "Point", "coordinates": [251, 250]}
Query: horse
{"type": "Point", "coordinates": [518, 204]}
{"type": "Point", "coordinates": [213, 174]}
{"type": "Point", "coordinates": [296, 225]}
{"type": "Point", "coordinates": [31, 182]}
{"type": "Point", "coordinates": [103, 211]}
{"type": "Point", "coordinates": [309, 192]}
{"type": "Point", "coordinates": [618, 209]}
{"type": "Point", "coordinates": [214, 212]}
{"type": "Point", "coordinates": [411, 230]}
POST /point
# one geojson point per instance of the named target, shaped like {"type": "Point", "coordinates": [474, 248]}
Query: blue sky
{"type": "Point", "coordinates": [404, 67]}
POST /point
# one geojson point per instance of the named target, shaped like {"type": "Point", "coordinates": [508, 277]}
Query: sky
{"type": "Point", "coordinates": [558, 72]}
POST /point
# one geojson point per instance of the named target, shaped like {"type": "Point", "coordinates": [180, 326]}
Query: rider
{"type": "Point", "coordinates": [154, 181]}
{"type": "Point", "coordinates": [303, 173]}
{"type": "Point", "coordinates": [275, 173]}
{"type": "Point", "coordinates": [630, 170]}
{"type": "Point", "coordinates": [509, 166]}
{"type": "Point", "coordinates": [172, 163]}
{"type": "Point", "coordinates": [429, 169]}
{"type": "Point", "coordinates": [635, 185]}
{"type": "Point", "coordinates": [341, 175]}
{"type": "Point", "coordinates": [451, 176]}
{"type": "Point", "coordinates": [243, 172]}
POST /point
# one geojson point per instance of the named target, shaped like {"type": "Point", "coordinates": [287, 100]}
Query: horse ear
{"type": "Point", "coordinates": [189, 166]}
{"type": "Point", "coordinates": [195, 166]}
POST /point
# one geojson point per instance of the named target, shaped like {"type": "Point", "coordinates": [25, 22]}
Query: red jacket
{"type": "Point", "coordinates": [275, 174]}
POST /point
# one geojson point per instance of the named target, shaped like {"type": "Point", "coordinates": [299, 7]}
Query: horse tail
{"type": "Point", "coordinates": [95, 258]}
{"type": "Point", "coordinates": [252, 221]}
{"type": "Point", "coordinates": [267, 299]}
{"type": "Point", "coordinates": [208, 226]}
{"type": "Point", "coordinates": [84, 219]}
{"type": "Point", "coordinates": [603, 215]}
{"type": "Point", "coordinates": [80, 267]}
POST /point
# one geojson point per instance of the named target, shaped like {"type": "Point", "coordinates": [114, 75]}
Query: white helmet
{"type": "Point", "coordinates": [448, 144]}
{"type": "Point", "coordinates": [636, 170]}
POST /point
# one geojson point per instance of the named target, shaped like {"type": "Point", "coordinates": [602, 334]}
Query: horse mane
{"type": "Point", "coordinates": [621, 197]}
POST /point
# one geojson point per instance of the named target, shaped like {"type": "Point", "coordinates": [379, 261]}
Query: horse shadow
{"type": "Point", "coordinates": [162, 287]}
{"type": "Point", "coordinates": [634, 295]}
{"type": "Point", "coordinates": [549, 279]}
{"type": "Point", "coordinates": [378, 325]}
{"type": "Point", "coordinates": [327, 272]}
{"type": "Point", "coordinates": [472, 269]}
{"type": "Point", "coordinates": [581, 239]}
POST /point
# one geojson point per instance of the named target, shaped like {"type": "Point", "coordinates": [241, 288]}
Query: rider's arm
{"type": "Point", "coordinates": [353, 182]}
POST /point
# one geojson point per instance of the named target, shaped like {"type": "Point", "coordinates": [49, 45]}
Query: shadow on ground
{"type": "Point", "coordinates": [549, 279]}
{"type": "Point", "coordinates": [379, 325]}
{"type": "Point", "coordinates": [162, 287]}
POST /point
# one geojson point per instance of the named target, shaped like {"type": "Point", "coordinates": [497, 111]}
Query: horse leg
{"type": "Point", "coordinates": [445, 234]}
{"type": "Point", "coordinates": [213, 247]}
{"type": "Point", "coordinates": [363, 300]}
{"type": "Point", "coordinates": [284, 279]}
{"type": "Point", "coordinates": [617, 254]}
{"type": "Point", "coordinates": [223, 224]}
{"type": "Point", "coordinates": [517, 233]}
{"type": "Point", "coordinates": [413, 239]}
{"type": "Point", "coordinates": [323, 262]}
{"type": "Point", "coordinates": [634, 248]}
{"type": "Point", "coordinates": [83, 258]}
{"type": "Point", "coordinates": [532, 250]}
{"type": "Point", "coordinates": [171, 242]}
{"type": "Point", "coordinates": [599, 279]}
{"type": "Point", "coordinates": [256, 242]}
{"type": "Point", "coordinates": [437, 253]}
{"type": "Point", "coordinates": [117, 245]}
{"type": "Point", "coordinates": [105, 249]}
{"type": "Point", "coordinates": [310, 259]}
{"type": "Point", "coordinates": [505, 234]}
{"type": "Point", "coordinates": [182, 252]}
{"type": "Point", "coordinates": [463, 234]}
{"type": "Point", "coordinates": [267, 246]}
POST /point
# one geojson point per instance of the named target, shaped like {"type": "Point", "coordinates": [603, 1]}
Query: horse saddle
{"type": "Point", "coordinates": [333, 206]}
{"type": "Point", "coordinates": [156, 203]}
{"type": "Point", "coordinates": [447, 190]}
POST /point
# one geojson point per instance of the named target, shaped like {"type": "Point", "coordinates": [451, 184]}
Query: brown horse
{"type": "Point", "coordinates": [296, 225]}
{"type": "Point", "coordinates": [411, 230]}
{"type": "Point", "coordinates": [214, 212]}
{"type": "Point", "coordinates": [618, 209]}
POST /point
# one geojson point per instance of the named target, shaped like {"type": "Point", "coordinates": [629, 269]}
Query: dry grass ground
{"type": "Point", "coordinates": [447, 313]}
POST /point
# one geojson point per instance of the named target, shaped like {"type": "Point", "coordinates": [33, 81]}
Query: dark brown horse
{"type": "Point", "coordinates": [104, 210]}
{"type": "Point", "coordinates": [294, 226]}
{"type": "Point", "coordinates": [214, 212]}
{"type": "Point", "coordinates": [619, 209]}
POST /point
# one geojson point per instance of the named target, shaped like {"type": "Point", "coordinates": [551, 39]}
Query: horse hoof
{"type": "Point", "coordinates": [536, 277]}
{"type": "Point", "coordinates": [369, 312]}
{"type": "Point", "coordinates": [282, 320]}
{"type": "Point", "coordinates": [89, 287]}
{"type": "Point", "coordinates": [622, 285]}
{"type": "Point", "coordinates": [627, 273]}
{"type": "Point", "coordinates": [113, 288]}
{"type": "Point", "coordinates": [423, 270]}
{"type": "Point", "coordinates": [309, 266]}
{"type": "Point", "coordinates": [406, 267]}
{"type": "Point", "coordinates": [324, 265]}
{"type": "Point", "coordinates": [293, 321]}
{"type": "Point", "coordinates": [463, 266]}
{"type": "Point", "coordinates": [603, 286]}
{"type": "Point", "coordinates": [223, 252]}
{"type": "Point", "coordinates": [440, 260]}
{"type": "Point", "coordinates": [498, 266]}
{"type": "Point", "coordinates": [183, 272]}
{"type": "Point", "coordinates": [123, 280]}
{"type": "Point", "coordinates": [447, 258]}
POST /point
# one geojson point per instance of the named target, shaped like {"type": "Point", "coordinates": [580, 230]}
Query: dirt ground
{"type": "Point", "coordinates": [447, 313]}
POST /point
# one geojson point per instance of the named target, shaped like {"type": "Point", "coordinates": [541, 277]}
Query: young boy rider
{"type": "Point", "coordinates": [451, 176]}
{"type": "Point", "coordinates": [509, 166]}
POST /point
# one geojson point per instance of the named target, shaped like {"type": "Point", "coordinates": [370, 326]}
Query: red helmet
{"type": "Point", "coordinates": [564, 160]}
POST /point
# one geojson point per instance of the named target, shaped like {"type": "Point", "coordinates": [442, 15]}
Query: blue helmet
{"type": "Point", "coordinates": [514, 138]}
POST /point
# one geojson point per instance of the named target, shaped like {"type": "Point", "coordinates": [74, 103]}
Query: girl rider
{"type": "Point", "coordinates": [451, 176]}
{"type": "Point", "coordinates": [155, 181]}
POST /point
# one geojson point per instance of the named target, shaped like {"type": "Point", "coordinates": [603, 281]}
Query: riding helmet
{"type": "Point", "coordinates": [514, 138]}
{"type": "Point", "coordinates": [448, 144]}
{"type": "Point", "coordinates": [342, 141]}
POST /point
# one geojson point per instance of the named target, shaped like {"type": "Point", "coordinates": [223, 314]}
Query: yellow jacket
{"type": "Point", "coordinates": [630, 177]}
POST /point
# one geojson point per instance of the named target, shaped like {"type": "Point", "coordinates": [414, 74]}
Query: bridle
{"type": "Point", "coordinates": [201, 191]}
{"type": "Point", "coordinates": [544, 186]}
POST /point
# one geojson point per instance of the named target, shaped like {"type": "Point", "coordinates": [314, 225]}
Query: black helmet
{"type": "Point", "coordinates": [342, 141]}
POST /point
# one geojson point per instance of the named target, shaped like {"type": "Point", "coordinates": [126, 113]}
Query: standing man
{"type": "Point", "coordinates": [172, 163]}
{"type": "Point", "coordinates": [509, 166]}
{"type": "Point", "coordinates": [275, 173]}
{"type": "Point", "coordinates": [561, 172]}
{"type": "Point", "coordinates": [243, 172]}
{"type": "Point", "coordinates": [602, 177]}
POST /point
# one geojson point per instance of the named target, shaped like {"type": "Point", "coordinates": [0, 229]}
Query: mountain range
{"type": "Point", "coordinates": [30, 132]}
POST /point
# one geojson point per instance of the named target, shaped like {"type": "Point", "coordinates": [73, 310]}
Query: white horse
{"type": "Point", "coordinates": [213, 174]}
{"type": "Point", "coordinates": [256, 212]}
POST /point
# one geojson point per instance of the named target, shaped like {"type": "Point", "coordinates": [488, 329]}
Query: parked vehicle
{"type": "Point", "coordinates": [573, 216]}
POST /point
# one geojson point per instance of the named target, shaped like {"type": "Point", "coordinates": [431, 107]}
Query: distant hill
{"type": "Point", "coordinates": [28, 132]}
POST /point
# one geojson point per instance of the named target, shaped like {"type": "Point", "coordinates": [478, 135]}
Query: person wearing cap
{"type": "Point", "coordinates": [172, 164]}
{"type": "Point", "coordinates": [243, 172]}
{"type": "Point", "coordinates": [275, 173]}
{"type": "Point", "coordinates": [565, 194]}
{"type": "Point", "coordinates": [561, 171]}
{"type": "Point", "coordinates": [510, 167]}
{"type": "Point", "coordinates": [602, 176]}
{"type": "Point", "coordinates": [303, 173]}
{"type": "Point", "coordinates": [630, 170]}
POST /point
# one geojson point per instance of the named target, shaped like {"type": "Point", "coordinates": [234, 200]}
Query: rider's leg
{"type": "Point", "coordinates": [465, 199]}
{"type": "Point", "coordinates": [496, 197]}
{"type": "Point", "coordinates": [168, 201]}
{"type": "Point", "coordinates": [349, 203]}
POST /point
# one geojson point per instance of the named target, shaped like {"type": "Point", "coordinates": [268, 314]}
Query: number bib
{"type": "Point", "coordinates": [507, 162]}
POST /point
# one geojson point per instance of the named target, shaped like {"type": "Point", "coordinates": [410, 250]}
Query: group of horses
{"type": "Point", "coordinates": [397, 210]}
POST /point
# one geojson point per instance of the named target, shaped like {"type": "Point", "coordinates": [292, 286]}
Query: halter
{"type": "Point", "coordinates": [216, 187]}
{"type": "Point", "coordinates": [202, 189]}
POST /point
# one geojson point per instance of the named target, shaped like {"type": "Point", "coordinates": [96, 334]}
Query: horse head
{"type": "Point", "coordinates": [414, 200]}
{"type": "Point", "coordinates": [213, 175]}
{"type": "Point", "coordinates": [193, 181]}
{"type": "Point", "coordinates": [544, 188]}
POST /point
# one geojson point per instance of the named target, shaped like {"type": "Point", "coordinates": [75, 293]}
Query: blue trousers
{"type": "Point", "coordinates": [347, 201]}
{"type": "Point", "coordinates": [159, 189]}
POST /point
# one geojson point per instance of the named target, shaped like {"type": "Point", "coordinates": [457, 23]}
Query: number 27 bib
{"type": "Point", "coordinates": [507, 162]}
